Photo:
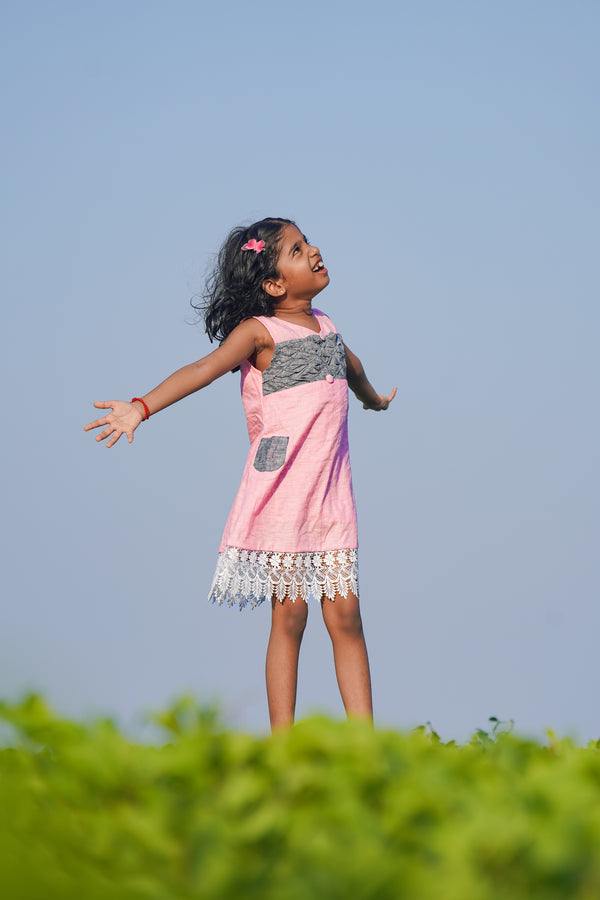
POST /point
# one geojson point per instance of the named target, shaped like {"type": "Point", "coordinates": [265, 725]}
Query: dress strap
{"type": "Point", "coordinates": [270, 323]}
{"type": "Point", "coordinates": [280, 330]}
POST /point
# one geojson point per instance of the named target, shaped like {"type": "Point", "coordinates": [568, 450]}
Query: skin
{"type": "Point", "coordinates": [293, 292]}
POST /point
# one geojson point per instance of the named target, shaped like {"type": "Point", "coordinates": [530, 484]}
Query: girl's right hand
{"type": "Point", "coordinates": [384, 401]}
{"type": "Point", "coordinates": [124, 419]}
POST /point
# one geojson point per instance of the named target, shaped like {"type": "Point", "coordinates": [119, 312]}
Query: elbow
{"type": "Point", "coordinates": [355, 377]}
{"type": "Point", "coordinates": [202, 375]}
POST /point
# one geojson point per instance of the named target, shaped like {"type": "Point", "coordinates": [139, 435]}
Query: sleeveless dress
{"type": "Point", "coordinates": [292, 529]}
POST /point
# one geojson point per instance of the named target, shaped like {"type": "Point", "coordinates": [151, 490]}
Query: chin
{"type": "Point", "coordinates": [326, 281]}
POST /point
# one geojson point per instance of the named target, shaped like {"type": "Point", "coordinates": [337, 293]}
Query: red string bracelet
{"type": "Point", "coordinates": [147, 411]}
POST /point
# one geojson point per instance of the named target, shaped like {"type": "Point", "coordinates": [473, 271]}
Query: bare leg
{"type": "Point", "coordinates": [344, 624]}
{"type": "Point", "coordinates": [288, 621]}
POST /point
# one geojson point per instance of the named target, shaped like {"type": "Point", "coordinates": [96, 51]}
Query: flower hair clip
{"type": "Point", "coordinates": [255, 245]}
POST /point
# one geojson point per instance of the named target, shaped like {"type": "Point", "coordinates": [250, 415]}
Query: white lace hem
{"type": "Point", "coordinates": [252, 576]}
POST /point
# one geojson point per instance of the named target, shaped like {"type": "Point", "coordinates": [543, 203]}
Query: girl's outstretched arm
{"type": "Point", "coordinates": [243, 342]}
{"type": "Point", "coordinates": [361, 386]}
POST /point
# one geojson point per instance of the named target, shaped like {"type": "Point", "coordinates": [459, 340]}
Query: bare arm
{"type": "Point", "coordinates": [241, 344]}
{"type": "Point", "coordinates": [360, 385]}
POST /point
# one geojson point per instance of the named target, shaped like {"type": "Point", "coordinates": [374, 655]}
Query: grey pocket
{"type": "Point", "coordinates": [271, 454]}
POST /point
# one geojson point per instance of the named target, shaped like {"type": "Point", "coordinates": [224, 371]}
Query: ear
{"type": "Point", "coordinates": [273, 288]}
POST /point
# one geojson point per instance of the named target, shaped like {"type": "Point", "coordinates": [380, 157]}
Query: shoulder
{"type": "Point", "coordinates": [321, 315]}
{"type": "Point", "coordinates": [253, 329]}
{"type": "Point", "coordinates": [327, 325]}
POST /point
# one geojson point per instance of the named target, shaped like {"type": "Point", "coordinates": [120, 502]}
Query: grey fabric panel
{"type": "Point", "coordinates": [271, 453]}
{"type": "Point", "coordinates": [304, 360]}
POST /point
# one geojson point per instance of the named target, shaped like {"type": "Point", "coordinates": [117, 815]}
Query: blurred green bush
{"type": "Point", "coordinates": [328, 810]}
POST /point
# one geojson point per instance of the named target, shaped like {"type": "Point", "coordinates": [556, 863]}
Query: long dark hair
{"type": "Point", "coordinates": [234, 289]}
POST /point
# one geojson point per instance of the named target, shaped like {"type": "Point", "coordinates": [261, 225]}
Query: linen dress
{"type": "Point", "coordinates": [292, 530]}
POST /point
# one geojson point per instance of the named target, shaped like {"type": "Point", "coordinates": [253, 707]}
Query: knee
{"type": "Point", "coordinates": [289, 618]}
{"type": "Point", "coordinates": [343, 618]}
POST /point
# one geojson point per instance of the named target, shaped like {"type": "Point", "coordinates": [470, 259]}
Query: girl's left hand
{"type": "Point", "coordinates": [384, 402]}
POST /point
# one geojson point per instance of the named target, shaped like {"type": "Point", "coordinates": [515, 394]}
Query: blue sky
{"type": "Point", "coordinates": [444, 157]}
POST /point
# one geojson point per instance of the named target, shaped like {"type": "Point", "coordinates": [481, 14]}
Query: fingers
{"type": "Point", "coordinates": [106, 433]}
{"type": "Point", "coordinates": [385, 401]}
{"type": "Point", "coordinates": [99, 404]}
{"type": "Point", "coordinates": [96, 424]}
{"type": "Point", "coordinates": [114, 434]}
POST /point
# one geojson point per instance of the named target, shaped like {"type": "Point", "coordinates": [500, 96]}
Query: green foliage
{"type": "Point", "coordinates": [328, 810]}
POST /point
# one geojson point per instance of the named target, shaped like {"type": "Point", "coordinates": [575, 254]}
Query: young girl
{"type": "Point", "coordinates": [292, 529]}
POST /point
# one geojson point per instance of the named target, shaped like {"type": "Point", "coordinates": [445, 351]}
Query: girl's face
{"type": "Point", "coordinates": [302, 273]}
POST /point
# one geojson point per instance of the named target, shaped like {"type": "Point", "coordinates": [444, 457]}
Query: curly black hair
{"type": "Point", "coordinates": [234, 289]}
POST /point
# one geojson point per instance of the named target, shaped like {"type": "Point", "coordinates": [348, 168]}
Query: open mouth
{"type": "Point", "coordinates": [319, 266]}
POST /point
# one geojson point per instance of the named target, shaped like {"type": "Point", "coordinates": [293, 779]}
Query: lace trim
{"type": "Point", "coordinates": [252, 576]}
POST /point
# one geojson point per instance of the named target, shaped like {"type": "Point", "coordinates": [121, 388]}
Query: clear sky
{"type": "Point", "coordinates": [444, 156]}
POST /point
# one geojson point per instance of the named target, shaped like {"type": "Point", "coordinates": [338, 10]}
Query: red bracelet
{"type": "Point", "coordinates": [147, 411]}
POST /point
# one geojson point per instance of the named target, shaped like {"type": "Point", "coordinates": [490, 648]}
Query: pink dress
{"type": "Point", "coordinates": [292, 528]}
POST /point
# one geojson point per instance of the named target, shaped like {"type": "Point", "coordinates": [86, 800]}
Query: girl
{"type": "Point", "coordinates": [292, 529]}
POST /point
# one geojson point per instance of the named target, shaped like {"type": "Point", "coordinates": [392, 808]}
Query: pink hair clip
{"type": "Point", "coordinates": [255, 245]}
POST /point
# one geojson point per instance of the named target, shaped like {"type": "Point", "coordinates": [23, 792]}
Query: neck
{"type": "Point", "coordinates": [300, 308]}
